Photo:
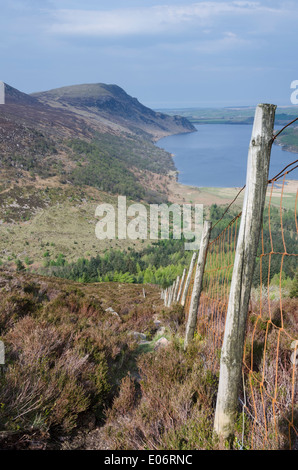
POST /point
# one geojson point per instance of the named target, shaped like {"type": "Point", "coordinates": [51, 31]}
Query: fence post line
{"type": "Point", "coordinates": [246, 250]}
{"type": "Point", "coordinates": [187, 282]}
{"type": "Point", "coordinates": [197, 286]}
{"type": "Point", "coordinates": [181, 285]}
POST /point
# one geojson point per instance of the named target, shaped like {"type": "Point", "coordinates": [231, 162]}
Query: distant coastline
{"type": "Point", "coordinates": [243, 115]}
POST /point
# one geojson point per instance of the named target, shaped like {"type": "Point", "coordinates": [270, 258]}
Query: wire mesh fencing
{"type": "Point", "coordinates": [215, 295]}
{"type": "Point", "coordinates": [268, 397]}
{"type": "Point", "coordinates": [269, 363]}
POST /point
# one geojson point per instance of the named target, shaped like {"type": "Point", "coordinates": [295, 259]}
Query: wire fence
{"type": "Point", "coordinates": [269, 362]}
{"type": "Point", "coordinates": [268, 398]}
{"type": "Point", "coordinates": [269, 395]}
{"type": "Point", "coordinates": [216, 287]}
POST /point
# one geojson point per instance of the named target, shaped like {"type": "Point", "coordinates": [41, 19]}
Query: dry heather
{"type": "Point", "coordinates": [66, 353]}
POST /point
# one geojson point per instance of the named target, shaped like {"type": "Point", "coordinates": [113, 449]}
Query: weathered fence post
{"type": "Point", "coordinates": [170, 296]}
{"type": "Point", "coordinates": [187, 282]}
{"type": "Point", "coordinates": [2, 353]}
{"type": "Point", "coordinates": [176, 288]}
{"type": "Point", "coordinates": [197, 286]}
{"type": "Point", "coordinates": [181, 285]}
{"type": "Point", "coordinates": [248, 239]}
{"type": "Point", "coordinates": [171, 300]}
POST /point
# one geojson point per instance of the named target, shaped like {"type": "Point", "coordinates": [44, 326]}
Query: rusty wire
{"type": "Point", "coordinates": [269, 376]}
{"type": "Point", "coordinates": [281, 130]}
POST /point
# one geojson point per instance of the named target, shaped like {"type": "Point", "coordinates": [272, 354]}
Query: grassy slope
{"type": "Point", "coordinates": [58, 219]}
{"type": "Point", "coordinates": [61, 218]}
{"type": "Point", "coordinates": [289, 139]}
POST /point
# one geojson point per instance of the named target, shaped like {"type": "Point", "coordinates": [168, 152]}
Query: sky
{"type": "Point", "coordinates": [166, 53]}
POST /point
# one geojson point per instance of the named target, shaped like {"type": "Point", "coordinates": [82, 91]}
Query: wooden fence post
{"type": "Point", "coordinates": [167, 297]}
{"type": "Point", "coordinates": [176, 288]}
{"type": "Point", "coordinates": [2, 353]}
{"type": "Point", "coordinates": [197, 286]}
{"type": "Point", "coordinates": [172, 293]}
{"type": "Point", "coordinates": [181, 285]}
{"type": "Point", "coordinates": [248, 239]}
{"type": "Point", "coordinates": [170, 296]}
{"type": "Point", "coordinates": [187, 282]}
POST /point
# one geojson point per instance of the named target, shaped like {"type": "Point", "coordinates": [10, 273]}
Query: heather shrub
{"type": "Point", "coordinates": [15, 306]}
{"type": "Point", "coordinates": [174, 318]}
{"type": "Point", "coordinates": [176, 394]}
{"type": "Point", "coordinates": [125, 402]}
{"type": "Point", "coordinates": [65, 354]}
{"type": "Point", "coordinates": [139, 319]}
{"type": "Point", "coordinates": [47, 382]}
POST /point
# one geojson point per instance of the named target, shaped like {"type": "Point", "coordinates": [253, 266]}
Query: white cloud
{"type": "Point", "coordinates": [227, 42]}
{"type": "Point", "coordinates": [148, 20]}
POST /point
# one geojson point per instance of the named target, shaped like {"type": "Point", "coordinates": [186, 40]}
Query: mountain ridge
{"type": "Point", "coordinates": [112, 103]}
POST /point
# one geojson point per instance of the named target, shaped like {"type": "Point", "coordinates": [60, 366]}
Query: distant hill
{"type": "Point", "coordinates": [110, 103]}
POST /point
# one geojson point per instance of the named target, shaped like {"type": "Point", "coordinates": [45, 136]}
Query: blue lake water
{"type": "Point", "coordinates": [216, 155]}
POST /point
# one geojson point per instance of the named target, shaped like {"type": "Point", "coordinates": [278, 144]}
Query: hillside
{"type": "Point", "coordinates": [86, 366]}
{"type": "Point", "coordinates": [79, 131]}
{"type": "Point", "coordinates": [69, 345]}
{"type": "Point", "coordinates": [111, 105]}
{"type": "Point", "coordinates": [65, 151]}
{"type": "Point", "coordinates": [288, 140]}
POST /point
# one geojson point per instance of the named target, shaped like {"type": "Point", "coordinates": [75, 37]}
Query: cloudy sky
{"type": "Point", "coordinates": [167, 53]}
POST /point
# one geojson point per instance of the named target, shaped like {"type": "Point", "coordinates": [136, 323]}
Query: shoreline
{"type": "Point", "coordinates": [180, 193]}
{"type": "Point", "coordinates": [175, 173]}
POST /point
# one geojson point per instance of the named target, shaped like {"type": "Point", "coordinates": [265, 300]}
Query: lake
{"type": "Point", "coordinates": [216, 155]}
